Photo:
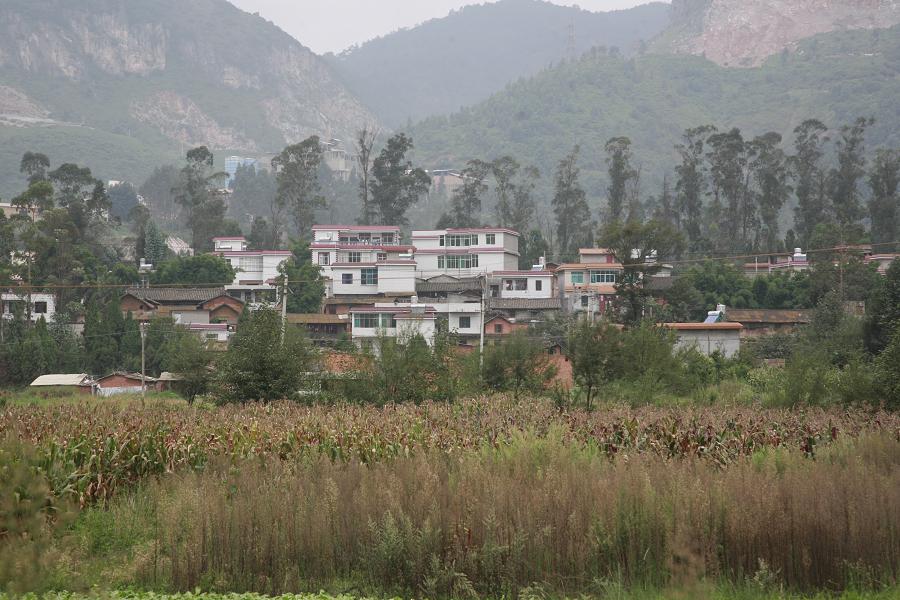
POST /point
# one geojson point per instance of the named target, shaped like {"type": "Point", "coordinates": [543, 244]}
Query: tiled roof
{"type": "Point", "coordinates": [748, 315]}
{"type": "Point", "coordinates": [316, 319]}
{"type": "Point", "coordinates": [525, 304]}
{"type": "Point", "coordinates": [176, 295]}
{"type": "Point", "coordinates": [462, 285]}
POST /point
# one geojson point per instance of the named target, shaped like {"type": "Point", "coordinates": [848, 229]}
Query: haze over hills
{"type": "Point", "coordinates": [122, 86]}
{"type": "Point", "coordinates": [743, 33]}
{"type": "Point", "coordinates": [652, 99]}
{"type": "Point", "coordinates": [445, 64]}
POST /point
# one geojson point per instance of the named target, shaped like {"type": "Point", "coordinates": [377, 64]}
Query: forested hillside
{"type": "Point", "coordinates": [125, 85]}
{"type": "Point", "coordinates": [445, 64]}
{"type": "Point", "coordinates": [652, 99]}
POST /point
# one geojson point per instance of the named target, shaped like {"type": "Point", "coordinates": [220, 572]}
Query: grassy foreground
{"type": "Point", "coordinates": [489, 498]}
{"type": "Point", "coordinates": [535, 594]}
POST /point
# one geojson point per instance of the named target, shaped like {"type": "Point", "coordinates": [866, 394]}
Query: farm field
{"type": "Point", "coordinates": [489, 497]}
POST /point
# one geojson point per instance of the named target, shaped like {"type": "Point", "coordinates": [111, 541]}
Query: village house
{"type": "Point", "coordinates": [882, 260]}
{"type": "Point", "coordinates": [120, 382]}
{"type": "Point", "coordinates": [210, 313]}
{"type": "Point", "coordinates": [465, 252]}
{"type": "Point", "coordinates": [498, 327]}
{"type": "Point", "coordinates": [708, 338]}
{"type": "Point", "coordinates": [784, 262]}
{"type": "Point", "coordinates": [79, 383]}
{"type": "Point", "coordinates": [321, 329]}
{"type": "Point", "coordinates": [589, 286]}
{"type": "Point", "coordinates": [256, 271]}
{"type": "Point", "coordinates": [33, 305]}
{"type": "Point", "coordinates": [362, 263]}
{"type": "Point", "coordinates": [390, 320]}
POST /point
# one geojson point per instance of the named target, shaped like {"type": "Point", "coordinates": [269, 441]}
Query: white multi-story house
{"type": "Point", "coordinates": [465, 252]}
{"type": "Point", "coordinates": [362, 260]}
{"type": "Point", "coordinates": [392, 320]}
{"type": "Point", "coordinates": [13, 304]}
{"type": "Point", "coordinates": [256, 271]}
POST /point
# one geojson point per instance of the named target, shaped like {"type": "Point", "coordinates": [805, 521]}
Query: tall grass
{"type": "Point", "coordinates": [537, 512]}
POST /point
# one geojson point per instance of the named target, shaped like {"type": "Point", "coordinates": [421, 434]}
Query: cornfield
{"type": "Point", "coordinates": [90, 452]}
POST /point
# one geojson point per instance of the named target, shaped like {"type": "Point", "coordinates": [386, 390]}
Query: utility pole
{"type": "Point", "coordinates": [481, 333]}
{"type": "Point", "coordinates": [143, 366]}
{"type": "Point", "coordinates": [284, 293]}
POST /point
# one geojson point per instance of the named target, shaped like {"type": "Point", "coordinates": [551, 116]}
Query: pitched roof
{"type": "Point", "coordinates": [749, 315]}
{"type": "Point", "coordinates": [61, 379]}
{"type": "Point", "coordinates": [525, 304]}
{"type": "Point", "coordinates": [161, 295]}
{"type": "Point", "coordinates": [460, 285]}
{"type": "Point", "coordinates": [126, 375]}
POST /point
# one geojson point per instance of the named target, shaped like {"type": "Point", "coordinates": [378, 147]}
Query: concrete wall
{"type": "Point", "coordinates": [546, 290]}
{"type": "Point", "coordinates": [728, 342]}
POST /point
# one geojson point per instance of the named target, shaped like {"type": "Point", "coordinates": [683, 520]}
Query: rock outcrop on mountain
{"type": "Point", "coordinates": [165, 74]}
{"type": "Point", "coordinates": [743, 33]}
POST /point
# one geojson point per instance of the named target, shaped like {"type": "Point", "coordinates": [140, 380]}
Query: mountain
{"type": "Point", "coordinates": [743, 33]}
{"type": "Point", "coordinates": [652, 99]}
{"type": "Point", "coordinates": [456, 61]}
{"type": "Point", "coordinates": [121, 86]}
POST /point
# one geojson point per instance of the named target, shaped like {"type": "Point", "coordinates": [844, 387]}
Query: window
{"type": "Point", "coordinates": [603, 276]}
{"type": "Point", "coordinates": [365, 321]}
{"type": "Point", "coordinates": [498, 328]}
{"type": "Point", "coordinates": [519, 285]}
{"type": "Point", "coordinates": [490, 239]}
{"type": "Point", "coordinates": [40, 308]}
{"type": "Point", "coordinates": [443, 240]}
{"type": "Point", "coordinates": [460, 239]}
{"type": "Point", "coordinates": [387, 238]}
{"type": "Point", "coordinates": [212, 337]}
{"type": "Point", "coordinates": [354, 257]}
{"type": "Point", "coordinates": [577, 277]}
{"type": "Point", "coordinates": [584, 301]}
{"type": "Point", "coordinates": [388, 321]}
{"type": "Point", "coordinates": [538, 285]}
{"type": "Point", "coordinates": [458, 261]}
{"type": "Point", "coordinates": [382, 256]}
{"type": "Point", "coordinates": [465, 322]}
{"type": "Point", "coordinates": [369, 277]}
{"type": "Point", "coordinates": [347, 278]}
{"type": "Point", "coordinates": [324, 258]}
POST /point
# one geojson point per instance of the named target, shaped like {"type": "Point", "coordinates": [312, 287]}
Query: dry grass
{"type": "Point", "coordinates": [91, 450]}
{"type": "Point", "coordinates": [538, 510]}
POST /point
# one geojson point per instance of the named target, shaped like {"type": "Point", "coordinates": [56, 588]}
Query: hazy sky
{"type": "Point", "coordinates": [332, 25]}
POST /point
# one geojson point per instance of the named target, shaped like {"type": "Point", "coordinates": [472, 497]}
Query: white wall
{"type": "Point", "coordinates": [397, 279]}
{"type": "Point", "coordinates": [546, 290]}
{"type": "Point", "coordinates": [727, 341]}
{"type": "Point", "coordinates": [35, 297]}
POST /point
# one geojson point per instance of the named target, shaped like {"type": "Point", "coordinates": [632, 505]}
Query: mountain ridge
{"type": "Point", "coordinates": [169, 74]}
{"type": "Point", "coordinates": [433, 68]}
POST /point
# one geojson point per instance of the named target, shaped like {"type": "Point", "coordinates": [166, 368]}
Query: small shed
{"type": "Point", "coordinates": [77, 382]}
{"type": "Point", "coordinates": [166, 381]}
{"type": "Point", "coordinates": [709, 337]}
{"type": "Point", "coordinates": [123, 383]}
